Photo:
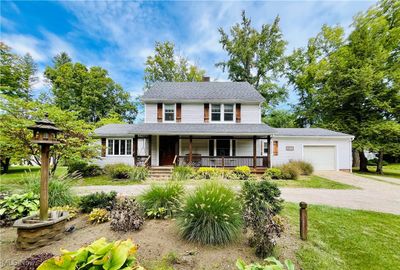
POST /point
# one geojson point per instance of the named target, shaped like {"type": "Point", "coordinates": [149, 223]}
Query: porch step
{"type": "Point", "coordinates": [160, 173]}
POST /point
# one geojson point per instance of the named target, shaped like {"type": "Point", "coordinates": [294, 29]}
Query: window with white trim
{"type": "Point", "coordinates": [119, 147]}
{"type": "Point", "coordinates": [265, 147]}
{"type": "Point", "coordinates": [169, 112]}
{"type": "Point", "coordinates": [222, 112]}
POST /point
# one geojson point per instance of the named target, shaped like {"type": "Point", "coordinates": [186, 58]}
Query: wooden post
{"type": "Point", "coordinates": [135, 154]}
{"type": "Point", "coordinates": [44, 182]}
{"type": "Point", "coordinates": [190, 150]}
{"type": "Point", "coordinates": [269, 151]}
{"type": "Point", "coordinates": [303, 221]}
{"type": "Point", "coordinates": [254, 152]}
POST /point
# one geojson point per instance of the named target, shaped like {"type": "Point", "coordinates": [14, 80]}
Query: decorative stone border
{"type": "Point", "coordinates": [34, 233]}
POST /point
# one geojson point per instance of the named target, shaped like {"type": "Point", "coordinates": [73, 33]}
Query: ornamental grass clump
{"type": "Point", "coordinates": [139, 173]}
{"type": "Point", "coordinates": [305, 167]}
{"type": "Point", "coordinates": [182, 173]}
{"type": "Point", "coordinates": [162, 201]}
{"type": "Point", "coordinates": [118, 171]}
{"type": "Point", "coordinates": [211, 215]}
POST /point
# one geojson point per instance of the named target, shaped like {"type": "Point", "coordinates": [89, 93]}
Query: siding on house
{"type": "Point", "coordinates": [250, 114]}
{"type": "Point", "coordinates": [154, 150]}
{"type": "Point", "coordinates": [193, 113]}
{"type": "Point", "coordinates": [150, 113]}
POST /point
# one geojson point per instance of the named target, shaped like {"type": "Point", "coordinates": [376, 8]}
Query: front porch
{"type": "Point", "coordinates": [202, 151]}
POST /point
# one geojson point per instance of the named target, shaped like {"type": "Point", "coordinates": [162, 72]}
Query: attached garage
{"type": "Point", "coordinates": [324, 149]}
{"type": "Point", "coordinates": [323, 158]}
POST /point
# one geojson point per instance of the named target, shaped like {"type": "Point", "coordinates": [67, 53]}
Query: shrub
{"type": "Point", "coordinates": [272, 173]}
{"type": "Point", "coordinates": [208, 173]}
{"type": "Point", "coordinates": [97, 200]}
{"type": "Point", "coordinates": [99, 215]}
{"type": "Point", "coordinates": [162, 201]}
{"type": "Point", "coordinates": [33, 262]}
{"type": "Point", "coordinates": [241, 173]}
{"type": "Point", "coordinates": [261, 203]}
{"type": "Point", "coordinates": [290, 171]}
{"type": "Point", "coordinates": [59, 189]}
{"type": "Point", "coordinates": [127, 215]}
{"type": "Point", "coordinates": [181, 173]}
{"type": "Point", "coordinates": [305, 167]}
{"type": "Point", "coordinates": [84, 168]}
{"type": "Point", "coordinates": [139, 173]}
{"type": "Point", "coordinates": [119, 170]}
{"type": "Point", "coordinates": [98, 255]}
{"type": "Point", "coordinates": [211, 215]}
{"type": "Point", "coordinates": [271, 264]}
{"type": "Point", "coordinates": [72, 211]}
{"type": "Point", "coordinates": [17, 206]}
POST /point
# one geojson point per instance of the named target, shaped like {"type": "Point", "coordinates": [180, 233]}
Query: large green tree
{"type": "Point", "coordinates": [17, 73]}
{"type": "Point", "coordinates": [280, 118]}
{"type": "Point", "coordinates": [353, 84]}
{"type": "Point", "coordinates": [167, 66]}
{"type": "Point", "coordinates": [89, 92]}
{"type": "Point", "coordinates": [17, 114]}
{"type": "Point", "coordinates": [256, 57]}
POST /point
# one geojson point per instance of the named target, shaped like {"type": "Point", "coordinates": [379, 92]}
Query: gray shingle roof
{"type": "Point", "coordinates": [202, 91]}
{"type": "Point", "coordinates": [121, 130]}
{"type": "Point", "coordinates": [308, 132]}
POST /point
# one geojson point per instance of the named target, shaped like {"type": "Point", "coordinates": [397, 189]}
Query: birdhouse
{"type": "Point", "coordinates": [45, 132]}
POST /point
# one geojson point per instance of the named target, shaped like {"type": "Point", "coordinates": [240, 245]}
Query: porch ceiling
{"type": "Point", "coordinates": [121, 130]}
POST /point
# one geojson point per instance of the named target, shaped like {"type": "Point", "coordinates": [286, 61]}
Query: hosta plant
{"type": "Point", "coordinates": [99, 215]}
{"type": "Point", "coordinates": [126, 215]}
{"type": "Point", "coordinates": [33, 262]}
{"type": "Point", "coordinates": [98, 255]}
{"type": "Point", "coordinates": [270, 264]}
{"type": "Point", "coordinates": [211, 215]}
{"type": "Point", "coordinates": [17, 206]}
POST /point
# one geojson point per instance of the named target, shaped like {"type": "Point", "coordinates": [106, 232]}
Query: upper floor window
{"type": "Point", "coordinates": [119, 147]}
{"type": "Point", "coordinates": [169, 112]}
{"type": "Point", "coordinates": [222, 112]}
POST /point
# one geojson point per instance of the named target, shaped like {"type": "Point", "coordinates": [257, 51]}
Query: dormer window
{"type": "Point", "coordinates": [222, 112]}
{"type": "Point", "coordinates": [169, 112]}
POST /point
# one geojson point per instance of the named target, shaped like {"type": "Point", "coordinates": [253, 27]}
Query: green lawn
{"type": "Point", "coordinates": [313, 181]}
{"type": "Point", "coordinates": [391, 170]}
{"type": "Point", "coordinates": [347, 239]}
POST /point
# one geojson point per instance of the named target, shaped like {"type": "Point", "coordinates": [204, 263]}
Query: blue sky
{"type": "Point", "coordinates": [120, 35]}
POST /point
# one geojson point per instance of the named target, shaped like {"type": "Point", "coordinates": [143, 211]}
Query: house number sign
{"type": "Point", "coordinates": [289, 148]}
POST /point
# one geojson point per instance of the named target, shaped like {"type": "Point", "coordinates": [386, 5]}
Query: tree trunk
{"type": "Point", "coordinates": [5, 164]}
{"type": "Point", "coordinates": [379, 165]}
{"type": "Point", "coordinates": [356, 158]}
{"type": "Point", "coordinates": [363, 161]}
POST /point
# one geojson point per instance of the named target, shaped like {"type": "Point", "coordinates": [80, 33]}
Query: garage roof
{"type": "Point", "coordinates": [309, 132]}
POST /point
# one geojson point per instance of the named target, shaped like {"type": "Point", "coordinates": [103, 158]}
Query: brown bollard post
{"type": "Point", "coordinates": [303, 221]}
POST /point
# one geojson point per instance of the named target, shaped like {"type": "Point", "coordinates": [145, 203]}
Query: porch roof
{"type": "Point", "coordinates": [121, 130]}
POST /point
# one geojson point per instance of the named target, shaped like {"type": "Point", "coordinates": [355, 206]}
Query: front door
{"type": "Point", "coordinates": [168, 149]}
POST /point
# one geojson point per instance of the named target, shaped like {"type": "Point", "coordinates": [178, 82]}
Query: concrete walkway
{"type": "Point", "coordinates": [373, 195]}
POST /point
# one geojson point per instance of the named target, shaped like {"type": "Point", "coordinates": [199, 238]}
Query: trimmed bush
{"type": "Point", "coordinates": [242, 173]}
{"type": "Point", "coordinates": [127, 215]}
{"type": "Point", "coordinates": [162, 201]}
{"type": "Point", "coordinates": [211, 215]}
{"type": "Point", "coordinates": [97, 200]}
{"type": "Point", "coordinates": [118, 171]}
{"type": "Point", "coordinates": [99, 215]}
{"type": "Point", "coordinates": [139, 173]}
{"type": "Point", "coordinates": [182, 173]}
{"type": "Point", "coordinates": [305, 167]}
{"type": "Point", "coordinates": [33, 262]}
{"type": "Point", "coordinates": [209, 173]}
{"type": "Point", "coordinates": [272, 173]}
{"type": "Point", "coordinates": [290, 171]}
{"type": "Point", "coordinates": [84, 168]}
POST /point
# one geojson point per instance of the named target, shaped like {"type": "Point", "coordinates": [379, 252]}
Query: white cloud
{"type": "Point", "coordinates": [23, 44]}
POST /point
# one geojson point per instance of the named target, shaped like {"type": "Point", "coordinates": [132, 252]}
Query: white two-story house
{"type": "Point", "coordinates": [216, 124]}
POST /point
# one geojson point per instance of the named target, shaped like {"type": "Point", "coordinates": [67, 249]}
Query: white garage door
{"type": "Point", "coordinates": [321, 157]}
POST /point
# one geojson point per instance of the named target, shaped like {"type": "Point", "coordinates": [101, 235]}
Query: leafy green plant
{"type": "Point", "coordinates": [304, 167]}
{"type": "Point", "coordinates": [72, 211]}
{"type": "Point", "coordinates": [271, 264]}
{"type": "Point", "coordinates": [98, 255]}
{"type": "Point", "coordinates": [208, 173]}
{"type": "Point", "coordinates": [59, 189]}
{"type": "Point", "coordinates": [139, 173]}
{"type": "Point", "coordinates": [211, 215]}
{"type": "Point", "coordinates": [162, 201]}
{"type": "Point", "coordinates": [272, 173]}
{"type": "Point", "coordinates": [290, 171]}
{"type": "Point", "coordinates": [127, 215]}
{"type": "Point", "coordinates": [33, 262]}
{"type": "Point", "coordinates": [84, 168]}
{"type": "Point", "coordinates": [242, 172]}
{"type": "Point", "coordinates": [99, 215]}
{"type": "Point", "coordinates": [17, 206]}
{"type": "Point", "coordinates": [119, 170]}
{"type": "Point", "coordinates": [97, 200]}
{"type": "Point", "coordinates": [261, 203]}
{"type": "Point", "coordinates": [182, 173]}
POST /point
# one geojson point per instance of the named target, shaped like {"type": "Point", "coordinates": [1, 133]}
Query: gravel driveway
{"type": "Point", "coordinates": [373, 195]}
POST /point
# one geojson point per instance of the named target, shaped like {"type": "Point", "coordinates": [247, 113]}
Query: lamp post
{"type": "Point", "coordinates": [44, 134]}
